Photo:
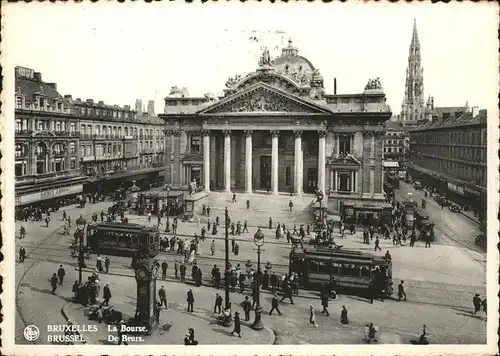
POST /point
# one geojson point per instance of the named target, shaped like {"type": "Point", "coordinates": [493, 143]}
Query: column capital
{"type": "Point", "coordinates": [227, 132]}
{"type": "Point", "coordinates": [367, 134]}
{"type": "Point", "coordinates": [322, 133]}
{"type": "Point", "coordinates": [248, 133]}
{"type": "Point", "coordinates": [205, 132]}
{"type": "Point", "coordinates": [297, 133]}
{"type": "Point", "coordinates": [275, 133]}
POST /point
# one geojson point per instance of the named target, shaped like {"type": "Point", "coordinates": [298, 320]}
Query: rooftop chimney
{"type": "Point", "coordinates": [68, 96]}
{"type": "Point", "coordinates": [126, 107]}
{"type": "Point", "coordinates": [334, 86]}
{"type": "Point", "coordinates": [101, 102]}
{"type": "Point", "coordinates": [138, 106]}
{"type": "Point", "coordinates": [475, 111]}
{"type": "Point", "coordinates": [38, 76]}
{"type": "Point", "coordinates": [151, 108]}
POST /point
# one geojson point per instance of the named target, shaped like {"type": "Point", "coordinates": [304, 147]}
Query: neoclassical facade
{"type": "Point", "coordinates": [276, 128]}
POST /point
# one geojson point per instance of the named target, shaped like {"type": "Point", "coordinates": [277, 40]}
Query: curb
{"type": "Point", "coordinates": [272, 335]}
{"type": "Point", "coordinates": [66, 316]}
{"type": "Point", "coordinates": [467, 216]}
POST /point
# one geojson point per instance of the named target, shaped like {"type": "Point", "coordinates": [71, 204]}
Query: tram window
{"type": "Point", "coordinates": [324, 267]}
{"type": "Point", "coordinates": [313, 266]}
{"type": "Point", "coordinates": [335, 268]}
{"type": "Point", "coordinates": [365, 271]}
{"type": "Point", "coordinates": [350, 270]}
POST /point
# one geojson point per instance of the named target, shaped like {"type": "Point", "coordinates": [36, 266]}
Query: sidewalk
{"type": "Point", "coordinates": [469, 214]}
{"type": "Point", "coordinates": [174, 321]}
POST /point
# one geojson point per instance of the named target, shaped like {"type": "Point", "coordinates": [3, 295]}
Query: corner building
{"type": "Point", "coordinates": [276, 128]}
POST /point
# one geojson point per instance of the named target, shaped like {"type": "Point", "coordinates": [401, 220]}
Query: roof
{"type": "Point", "coordinates": [466, 119]}
{"type": "Point", "coordinates": [393, 125]}
{"type": "Point", "coordinates": [30, 87]}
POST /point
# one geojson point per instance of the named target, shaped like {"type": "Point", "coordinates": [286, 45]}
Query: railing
{"type": "Point", "coordinates": [21, 133]}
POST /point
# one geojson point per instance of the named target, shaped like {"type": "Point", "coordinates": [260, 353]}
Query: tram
{"type": "Point", "coordinates": [352, 270]}
{"type": "Point", "coordinates": [123, 239]}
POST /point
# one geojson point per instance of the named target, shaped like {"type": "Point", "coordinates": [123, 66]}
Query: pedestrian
{"type": "Point", "coordinates": [372, 329]}
{"type": "Point", "coordinates": [183, 271]}
{"type": "Point", "coordinates": [427, 239]}
{"type": "Point", "coordinates": [22, 232]}
{"type": "Point", "coordinates": [343, 316]}
{"type": "Point", "coordinates": [53, 283]}
{"type": "Point", "coordinates": [99, 263]}
{"type": "Point", "coordinates": [274, 282]}
{"type": "Point", "coordinates": [237, 325]}
{"type": "Point", "coordinates": [47, 219]}
{"type": "Point", "coordinates": [290, 205]}
{"type": "Point", "coordinates": [190, 301]}
{"type": "Point", "coordinates": [218, 304]}
{"type": "Point", "coordinates": [122, 335]}
{"type": "Point", "coordinates": [270, 223]}
{"type": "Point", "coordinates": [163, 297]}
{"type": "Point", "coordinates": [164, 267]}
{"type": "Point", "coordinates": [75, 288]}
{"type": "Point", "coordinates": [106, 294]}
{"type": "Point", "coordinates": [61, 273]}
{"type": "Point", "coordinates": [377, 242]}
{"type": "Point", "coordinates": [477, 303]}
{"type": "Point", "coordinates": [245, 226]}
{"type": "Point", "coordinates": [157, 311]}
{"type": "Point", "coordinates": [312, 317]}
{"type": "Point", "coordinates": [212, 247]}
{"type": "Point", "coordinates": [234, 198]}
{"type": "Point", "coordinates": [247, 306]}
{"type": "Point", "coordinates": [176, 270]}
{"type": "Point", "coordinates": [275, 305]}
{"type": "Point", "coordinates": [483, 303]}
{"type": "Point", "coordinates": [106, 263]}
{"type": "Point", "coordinates": [236, 249]}
{"type": "Point", "coordinates": [241, 280]}
{"type": "Point", "coordinates": [22, 254]}
{"type": "Point", "coordinates": [248, 204]}
{"type": "Point", "coordinates": [324, 301]}
{"type": "Point", "coordinates": [401, 291]}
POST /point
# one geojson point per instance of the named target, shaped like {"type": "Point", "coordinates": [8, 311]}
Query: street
{"type": "Point", "coordinates": [443, 288]}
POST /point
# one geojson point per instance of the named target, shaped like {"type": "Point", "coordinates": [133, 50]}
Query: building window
{"type": "Point", "coordinates": [19, 125]}
{"type": "Point", "coordinates": [195, 143]}
{"type": "Point", "coordinates": [344, 181]}
{"type": "Point", "coordinates": [72, 164]}
{"type": "Point", "coordinates": [20, 150]}
{"type": "Point", "coordinates": [344, 144]}
{"type": "Point", "coordinates": [19, 102]}
{"type": "Point", "coordinates": [58, 126]}
{"type": "Point", "coordinates": [72, 127]}
{"type": "Point", "coordinates": [41, 102]}
{"type": "Point", "coordinates": [72, 148]}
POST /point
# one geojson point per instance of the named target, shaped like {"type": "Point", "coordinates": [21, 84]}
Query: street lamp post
{"type": "Point", "coordinates": [259, 241]}
{"type": "Point", "coordinates": [227, 321]}
{"type": "Point", "coordinates": [79, 233]}
{"type": "Point", "coordinates": [167, 225]}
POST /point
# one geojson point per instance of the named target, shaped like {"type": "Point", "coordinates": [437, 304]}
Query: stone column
{"type": "Point", "coordinates": [206, 160]}
{"type": "Point", "coordinates": [353, 173]}
{"type": "Point", "coordinates": [227, 160]}
{"type": "Point", "coordinates": [248, 161]}
{"type": "Point", "coordinates": [274, 162]}
{"type": "Point", "coordinates": [322, 161]}
{"type": "Point", "coordinates": [336, 178]}
{"type": "Point", "coordinates": [298, 162]}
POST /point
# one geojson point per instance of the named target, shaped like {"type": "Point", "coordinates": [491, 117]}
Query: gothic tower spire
{"type": "Point", "coordinates": [413, 106]}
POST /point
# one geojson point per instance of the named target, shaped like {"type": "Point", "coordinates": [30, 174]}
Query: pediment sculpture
{"type": "Point", "coordinates": [373, 84]}
{"type": "Point", "coordinates": [176, 91]}
{"type": "Point", "coordinates": [231, 82]}
{"type": "Point", "coordinates": [263, 102]}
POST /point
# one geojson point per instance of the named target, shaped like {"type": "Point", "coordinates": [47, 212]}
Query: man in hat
{"type": "Point", "coordinates": [237, 325]}
{"type": "Point", "coordinates": [61, 273]}
{"type": "Point", "coordinates": [218, 303]}
{"type": "Point", "coordinates": [163, 297]}
{"type": "Point", "coordinates": [275, 305]}
{"type": "Point", "coordinates": [247, 306]}
{"type": "Point", "coordinates": [106, 295]}
{"type": "Point", "coordinates": [190, 300]}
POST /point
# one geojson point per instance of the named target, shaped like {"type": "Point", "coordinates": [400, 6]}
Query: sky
{"type": "Point", "coordinates": [121, 52]}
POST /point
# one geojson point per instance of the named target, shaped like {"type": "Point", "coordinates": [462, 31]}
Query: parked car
{"type": "Point", "coordinates": [454, 208]}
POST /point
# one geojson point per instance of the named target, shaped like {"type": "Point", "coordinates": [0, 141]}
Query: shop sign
{"type": "Point", "coordinates": [48, 194]}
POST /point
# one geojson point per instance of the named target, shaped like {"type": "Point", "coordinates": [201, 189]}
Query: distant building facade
{"type": "Point", "coordinates": [47, 162]}
{"type": "Point", "coordinates": [450, 154]}
{"type": "Point", "coordinates": [64, 147]}
{"type": "Point", "coordinates": [394, 141]}
{"type": "Point", "coordinates": [277, 129]}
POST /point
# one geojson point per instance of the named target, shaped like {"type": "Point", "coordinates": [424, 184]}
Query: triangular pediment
{"type": "Point", "coordinates": [344, 159]}
{"type": "Point", "coordinates": [262, 98]}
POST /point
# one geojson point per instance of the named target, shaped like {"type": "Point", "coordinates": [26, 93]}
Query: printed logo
{"type": "Point", "coordinates": [31, 333]}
